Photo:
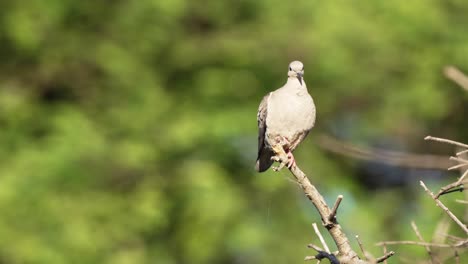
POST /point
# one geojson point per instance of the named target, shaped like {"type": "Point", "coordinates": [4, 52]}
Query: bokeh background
{"type": "Point", "coordinates": [128, 128]}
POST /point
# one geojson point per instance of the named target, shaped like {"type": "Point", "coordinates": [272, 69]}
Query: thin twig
{"type": "Point", "coordinates": [439, 236]}
{"type": "Point", "coordinates": [321, 238]}
{"type": "Point", "coordinates": [384, 257]}
{"type": "Point", "coordinates": [461, 160]}
{"type": "Point", "coordinates": [461, 201]}
{"type": "Point", "coordinates": [448, 141]}
{"type": "Point", "coordinates": [385, 252]}
{"type": "Point", "coordinates": [446, 210]}
{"type": "Point", "coordinates": [457, 76]}
{"type": "Point", "coordinates": [361, 247]}
{"type": "Point", "coordinates": [461, 165]}
{"type": "Point", "coordinates": [444, 189]}
{"type": "Point", "coordinates": [409, 242]}
{"type": "Point", "coordinates": [453, 238]}
{"type": "Point", "coordinates": [461, 152]}
{"type": "Point", "coordinates": [395, 158]}
{"type": "Point", "coordinates": [418, 234]}
{"type": "Point", "coordinates": [462, 177]}
{"type": "Point", "coordinates": [332, 215]}
{"type": "Point", "coordinates": [462, 243]}
{"type": "Point", "coordinates": [315, 247]}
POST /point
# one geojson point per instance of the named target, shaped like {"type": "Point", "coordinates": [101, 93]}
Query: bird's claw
{"type": "Point", "coordinates": [291, 160]}
{"type": "Point", "coordinates": [275, 158]}
{"type": "Point", "coordinates": [283, 163]}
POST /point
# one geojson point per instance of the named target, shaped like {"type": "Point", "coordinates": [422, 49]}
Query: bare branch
{"type": "Point", "coordinates": [394, 158]}
{"type": "Point", "coordinates": [332, 215]}
{"type": "Point", "coordinates": [446, 210]}
{"type": "Point", "coordinates": [334, 229]}
{"type": "Point", "coordinates": [316, 248]}
{"type": "Point", "coordinates": [409, 242]}
{"type": "Point", "coordinates": [458, 166]}
{"type": "Point", "coordinates": [321, 238]}
{"type": "Point", "coordinates": [457, 257]}
{"type": "Point", "coordinates": [461, 160]}
{"type": "Point", "coordinates": [441, 230]}
{"type": "Point", "coordinates": [457, 76]}
{"type": "Point", "coordinates": [361, 247]}
{"type": "Point", "coordinates": [385, 253]}
{"type": "Point", "coordinates": [452, 185]}
{"type": "Point", "coordinates": [418, 234]}
{"type": "Point", "coordinates": [461, 201]}
{"type": "Point", "coordinates": [448, 141]}
{"type": "Point", "coordinates": [384, 257]}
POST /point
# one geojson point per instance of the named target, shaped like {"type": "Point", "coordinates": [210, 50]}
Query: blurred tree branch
{"type": "Point", "coordinates": [457, 76]}
{"type": "Point", "coordinates": [394, 158]}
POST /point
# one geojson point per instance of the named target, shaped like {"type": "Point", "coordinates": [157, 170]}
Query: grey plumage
{"type": "Point", "coordinates": [285, 116]}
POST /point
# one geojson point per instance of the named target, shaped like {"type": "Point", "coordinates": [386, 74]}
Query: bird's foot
{"type": "Point", "coordinates": [291, 160]}
{"type": "Point", "coordinates": [281, 157]}
{"type": "Point", "coordinates": [286, 159]}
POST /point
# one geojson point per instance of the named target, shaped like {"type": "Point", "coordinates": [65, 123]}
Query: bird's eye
{"type": "Point", "coordinates": [290, 69]}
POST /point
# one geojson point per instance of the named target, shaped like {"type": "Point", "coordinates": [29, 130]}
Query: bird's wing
{"type": "Point", "coordinates": [261, 119]}
{"type": "Point", "coordinates": [264, 154]}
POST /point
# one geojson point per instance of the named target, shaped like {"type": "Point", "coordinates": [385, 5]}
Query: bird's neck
{"type": "Point", "coordinates": [295, 83]}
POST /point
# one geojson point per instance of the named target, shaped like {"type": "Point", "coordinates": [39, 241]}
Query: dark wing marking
{"type": "Point", "coordinates": [261, 119]}
{"type": "Point", "coordinates": [264, 154]}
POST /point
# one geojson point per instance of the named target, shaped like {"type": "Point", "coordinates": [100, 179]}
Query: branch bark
{"type": "Point", "coordinates": [346, 253]}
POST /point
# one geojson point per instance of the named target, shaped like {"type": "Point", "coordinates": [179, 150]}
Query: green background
{"type": "Point", "coordinates": [128, 128]}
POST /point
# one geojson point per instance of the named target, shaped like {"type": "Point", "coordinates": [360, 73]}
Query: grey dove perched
{"type": "Point", "coordinates": [285, 117]}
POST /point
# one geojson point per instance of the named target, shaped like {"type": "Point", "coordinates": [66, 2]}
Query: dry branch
{"type": "Point", "coordinates": [345, 252]}
{"type": "Point", "coordinates": [385, 257]}
{"type": "Point", "coordinates": [457, 76]}
{"type": "Point", "coordinates": [319, 235]}
{"type": "Point", "coordinates": [446, 210]}
{"type": "Point", "coordinates": [448, 141]}
{"type": "Point", "coordinates": [394, 158]}
{"type": "Point", "coordinates": [417, 243]}
{"type": "Point", "coordinates": [428, 249]}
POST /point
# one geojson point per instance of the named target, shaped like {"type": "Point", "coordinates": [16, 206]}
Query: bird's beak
{"type": "Point", "coordinates": [299, 77]}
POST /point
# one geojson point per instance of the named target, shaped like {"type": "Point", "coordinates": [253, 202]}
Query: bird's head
{"type": "Point", "coordinates": [296, 70]}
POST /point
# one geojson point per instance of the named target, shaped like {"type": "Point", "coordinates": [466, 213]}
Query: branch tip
{"type": "Point", "coordinates": [384, 257]}
{"type": "Point", "coordinates": [332, 216]}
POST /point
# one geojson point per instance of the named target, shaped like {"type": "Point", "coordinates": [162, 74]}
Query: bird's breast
{"type": "Point", "coordinates": [290, 113]}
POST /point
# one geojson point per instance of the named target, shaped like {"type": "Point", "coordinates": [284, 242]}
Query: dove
{"type": "Point", "coordinates": [285, 117]}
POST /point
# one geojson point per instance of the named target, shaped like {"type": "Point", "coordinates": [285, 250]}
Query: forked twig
{"type": "Point", "coordinates": [446, 210]}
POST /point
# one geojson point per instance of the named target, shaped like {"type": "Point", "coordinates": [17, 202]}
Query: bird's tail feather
{"type": "Point", "coordinates": [264, 160]}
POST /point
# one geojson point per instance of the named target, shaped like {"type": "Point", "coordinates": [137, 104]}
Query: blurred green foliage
{"type": "Point", "coordinates": [128, 131]}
